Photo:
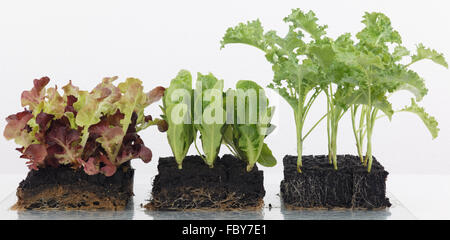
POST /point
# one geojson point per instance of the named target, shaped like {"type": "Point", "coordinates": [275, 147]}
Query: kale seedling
{"type": "Point", "coordinates": [377, 72]}
{"type": "Point", "coordinates": [356, 76]}
{"type": "Point", "coordinates": [296, 77]}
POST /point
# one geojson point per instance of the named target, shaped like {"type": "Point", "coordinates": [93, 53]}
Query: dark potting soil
{"type": "Point", "coordinates": [320, 186]}
{"type": "Point", "coordinates": [66, 188]}
{"type": "Point", "coordinates": [226, 186]}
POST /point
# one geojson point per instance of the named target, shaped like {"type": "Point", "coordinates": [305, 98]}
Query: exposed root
{"type": "Point", "coordinates": [189, 198]}
{"type": "Point", "coordinates": [310, 193]}
{"type": "Point", "coordinates": [68, 198]}
{"type": "Point", "coordinates": [321, 187]}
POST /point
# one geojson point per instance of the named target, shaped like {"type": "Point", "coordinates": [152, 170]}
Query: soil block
{"type": "Point", "coordinates": [320, 186]}
{"type": "Point", "coordinates": [226, 186]}
{"type": "Point", "coordinates": [66, 188]}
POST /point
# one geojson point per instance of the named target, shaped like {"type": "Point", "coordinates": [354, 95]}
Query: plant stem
{"type": "Point", "coordinates": [329, 126]}
{"type": "Point", "coordinates": [354, 110]}
{"type": "Point", "coordinates": [299, 121]}
{"type": "Point", "coordinates": [368, 160]}
{"type": "Point", "coordinates": [334, 114]}
{"type": "Point", "coordinates": [299, 155]}
{"type": "Point", "coordinates": [84, 136]}
{"type": "Point", "coordinates": [232, 151]}
{"type": "Point", "coordinates": [369, 156]}
{"type": "Point", "coordinates": [314, 126]}
{"type": "Point", "coordinates": [200, 154]}
{"type": "Point", "coordinates": [362, 132]}
{"type": "Point", "coordinates": [309, 104]}
{"type": "Point", "coordinates": [299, 130]}
{"type": "Point", "coordinates": [334, 144]}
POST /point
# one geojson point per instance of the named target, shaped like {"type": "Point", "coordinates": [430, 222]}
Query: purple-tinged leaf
{"type": "Point", "coordinates": [108, 168]}
{"type": "Point", "coordinates": [36, 95]}
{"type": "Point", "coordinates": [90, 167]}
{"type": "Point", "coordinates": [36, 153]}
{"type": "Point", "coordinates": [64, 142]}
{"type": "Point", "coordinates": [155, 94]}
{"type": "Point", "coordinates": [16, 124]}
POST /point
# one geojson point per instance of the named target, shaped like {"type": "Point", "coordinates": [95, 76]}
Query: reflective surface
{"type": "Point", "coordinates": [276, 211]}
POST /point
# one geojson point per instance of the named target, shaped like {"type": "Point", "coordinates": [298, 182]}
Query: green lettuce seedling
{"type": "Point", "coordinates": [211, 121]}
{"type": "Point", "coordinates": [177, 109]}
{"type": "Point", "coordinates": [245, 136]}
{"type": "Point", "coordinates": [218, 118]}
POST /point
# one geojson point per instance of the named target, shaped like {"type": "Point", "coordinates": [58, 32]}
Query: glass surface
{"type": "Point", "coordinates": [142, 192]}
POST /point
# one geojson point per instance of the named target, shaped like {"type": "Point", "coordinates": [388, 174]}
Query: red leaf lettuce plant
{"type": "Point", "coordinates": [96, 130]}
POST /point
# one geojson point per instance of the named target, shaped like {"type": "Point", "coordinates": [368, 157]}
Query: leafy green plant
{"type": "Point", "coordinates": [244, 137]}
{"type": "Point", "coordinates": [337, 87]}
{"type": "Point", "coordinates": [297, 81]}
{"type": "Point", "coordinates": [354, 76]}
{"type": "Point", "coordinates": [378, 72]}
{"type": "Point", "coordinates": [188, 112]}
{"type": "Point", "coordinates": [211, 121]}
{"type": "Point", "coordinates": [177, 109]}
{"type": "Point", "coordinates": [96, 130]}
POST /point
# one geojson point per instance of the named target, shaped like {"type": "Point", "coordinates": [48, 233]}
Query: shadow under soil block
{"type": "Point", "coordinates": [226, 186]}
{"type": "Point", "coordinates": [65, 188]}
{"type": "Point", "coordinates": [320, 186]}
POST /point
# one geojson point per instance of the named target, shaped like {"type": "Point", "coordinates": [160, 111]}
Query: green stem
{"type": "Point", "coordinates": [299, 130]}
{"type": "Point", "coordinates": [373, 118]}
{"type": "Point", "coordinates": [362, 132]}
{"type": "Point", "coordinates": [368, 160]}
{"type": "Point", "coordinates": [334, 144]}
{"type": "Point", "coordinates": [309, 104]}
{"type": "Point", "coordinates": [84, 136]}
{"type": "Point", "coordinates": [369, 128]}
{"type": "Point", "coordinates": [354, 110]}
{"type": "Point", "coordinates": [334, 115]}
{"type": "Point", "coordinates": [232, 151]}
{"type": "Point", "coordinates": [299, 155]}
{"type": "Point", "coordinates": [200, 154]}
{"type": "Point", "coordinates": [314, 126]}
{"type": "Point", "coordinates": [368, 111]}
{"type": "Point", "coordinates": [329, 126]}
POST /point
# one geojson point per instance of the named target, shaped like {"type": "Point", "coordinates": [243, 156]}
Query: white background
{"type": "Point", "coordinates": [84, 41]}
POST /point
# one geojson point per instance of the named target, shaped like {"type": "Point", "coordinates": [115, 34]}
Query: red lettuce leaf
{"type": "Point", "coordinates": [43, 120]}
{"type": "Point", "coordinates": [16, 124]}
{"type": "Point", "coordinates": [108, 169]}
{"type": "Point", "coordinates": [36, 95]}
{"type": "Point", "coordinates": [96, 130]}
{"type": "Point", "coordinates": [155, 94]}
{"type": "Point", "coordinates": [90, 167]}
{"type": "Point", "coordinates": [111, 141]}
{"type": "Point", "coordinates": [36, 153]}
{"type": "Point", "coordinates": [98, 165]}
{"type": "Point", "coordinates": [55, 103]}
{"type": "Point", "coordinates": [69, 107]}
{"type": "Point", "coordinates": [63, 143]}
{"type": "Point", "coordinates": [70, 90]}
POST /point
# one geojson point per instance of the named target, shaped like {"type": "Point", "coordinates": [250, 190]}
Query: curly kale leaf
{"type": "Point", "coordinates": [429, 121]}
